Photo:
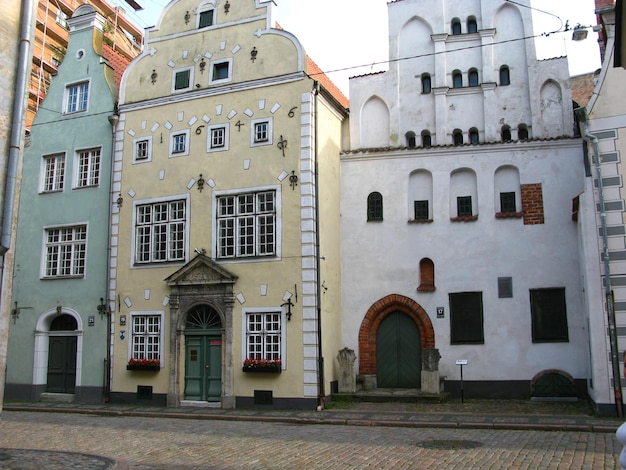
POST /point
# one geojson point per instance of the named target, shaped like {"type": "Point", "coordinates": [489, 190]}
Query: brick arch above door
{"type": "Point", "coordinates": [376, 314]}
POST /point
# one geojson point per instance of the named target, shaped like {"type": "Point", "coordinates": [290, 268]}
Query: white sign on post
{"type": "Point", "coordinates": [461, 362]}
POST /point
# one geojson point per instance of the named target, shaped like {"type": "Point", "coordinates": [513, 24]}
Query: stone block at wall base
{"type": "Point", "coordinates": [430, 382]}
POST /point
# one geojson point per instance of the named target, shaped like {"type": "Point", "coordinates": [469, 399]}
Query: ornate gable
{"type": "Point", "coordinates": [201, 270]}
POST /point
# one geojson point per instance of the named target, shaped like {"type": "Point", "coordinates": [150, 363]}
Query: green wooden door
{"type": "Point", "coordinates": [61, 364]}
{"type": "Point", "coordinates": [398, 352]}
{"type": "Point", "coordinates": [203, 368]}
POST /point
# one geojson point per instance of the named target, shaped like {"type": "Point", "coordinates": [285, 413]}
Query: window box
{"type": "Point", "coordinates": [144, 364]}
{"type": "Point", "coordinates": [262, 365]}
{"type": "Point", "coordinates": [464, 218]}
{"type": "Point", "coordinates": [420, 221]}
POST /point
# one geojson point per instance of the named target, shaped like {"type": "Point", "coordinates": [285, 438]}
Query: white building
{"type": "Point", "coordinates": [457, 223]}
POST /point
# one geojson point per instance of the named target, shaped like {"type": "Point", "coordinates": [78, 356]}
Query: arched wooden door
{"type": "Point", "coordinates": [398, 352]}
{"type": "Point", "coordinates": [62, 351]}
{"type": "Point", "coordinates": [203, 355]}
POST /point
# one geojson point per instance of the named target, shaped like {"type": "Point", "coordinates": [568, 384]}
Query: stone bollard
{"type": "Point", "coordinates": [430, 371]}
{"type": "Point", "coordinates": [347, 375]}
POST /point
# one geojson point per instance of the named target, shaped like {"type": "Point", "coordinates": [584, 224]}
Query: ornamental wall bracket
{"type": "Point", "coordinates": [282, 145]}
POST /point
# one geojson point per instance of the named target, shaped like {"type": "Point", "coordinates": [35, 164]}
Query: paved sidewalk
{"type": "Point", "coordinates": [360, 414]}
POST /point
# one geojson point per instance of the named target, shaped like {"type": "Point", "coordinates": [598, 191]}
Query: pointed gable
{"type": "Point", "coordinates": [201, 270]}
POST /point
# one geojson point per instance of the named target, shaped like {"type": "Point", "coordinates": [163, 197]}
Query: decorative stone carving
{"type": "Point", "coordinates": [347, 374]}
{"type": "Point", "coordinates": [430, 359]}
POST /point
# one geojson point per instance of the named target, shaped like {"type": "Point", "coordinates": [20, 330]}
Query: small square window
{"type": "Point", "coordinates": [179, 144]}
{"type": "Point", "coordinates": [205, 19]}
{"type": "Point", "coordinates": [218, 137]}
{"type": "Point", "coordinates": [507, 202]}
{"type": "Point", "coordinates": [421, 210]}
{"type": "Point", "coordinates": [143, 150]}
{"type": "Point", "coordinates": [464, 206]}
{"type": "Point", "coordinates": [261, 132]}
{"type": "Point", "coordinates": [220, 71]}
{"type": "Point", "coordinates": [182, 79]}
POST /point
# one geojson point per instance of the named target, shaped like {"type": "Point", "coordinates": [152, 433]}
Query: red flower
{"type": "Point", "coordinates": [144, 362]}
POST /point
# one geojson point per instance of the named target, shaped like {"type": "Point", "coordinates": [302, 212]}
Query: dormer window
{"type": "Point", "coordinates": [182, 79]}
{"type": "Point", "coordinates": [205, 19]}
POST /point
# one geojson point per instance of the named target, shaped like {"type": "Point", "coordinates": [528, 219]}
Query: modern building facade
{"type": "Point", "coordinates": [457, 200]}
{"type": "Point", "coordinates": [224, 277]}
{"type": "Point", "coordinates": [58, 341]}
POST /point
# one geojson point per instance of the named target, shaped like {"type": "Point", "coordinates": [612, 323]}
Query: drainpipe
{"type": "Point", "coordinates": [581, 114]}
{"type": "Point", "coordinates": [321, 393]}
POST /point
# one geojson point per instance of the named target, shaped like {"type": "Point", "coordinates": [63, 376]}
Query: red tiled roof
{"type": "Point", "coordinates": [118, 62]}
{"type": "Point", "coordinates": [316, 73]}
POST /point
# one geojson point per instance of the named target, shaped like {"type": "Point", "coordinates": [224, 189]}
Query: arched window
{"type": "Point", "coordinates": [456, 26]}
{"type": "Point", "coordinates": [505, 132]}
{"type": "Point", "coordinates": [457, 137]}
{"type": "Point", "coordinates": [427, 275]}
{"type": "Point", "coordinates": [426, 83]}
{"type": "Point", "coordinates": [375, 206]}
{"type": "Point", "coordinates": [473, 77]}
{"type": "Point", "coordinates": [472, 26]}
{"type": "Point", "coordinates": [457, 79]}
{"type": "Point", "coordinates": [505, 77]}
{"type": "Point", "coordinates": [411, 141]}
{"type": "Point", "coordinates": [473, 135]}
{"type": "Point", "coordinates": [426, 139]}
{"type": "Point", "coordinates": [522, 132]}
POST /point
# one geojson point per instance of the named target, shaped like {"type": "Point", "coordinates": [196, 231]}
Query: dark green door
{"type": "Point", "coordinates": [203, 368]}
{"type": "Point", "coordinates": [62, 364]}
{"type": "Point", "coordinates": [398, 352]}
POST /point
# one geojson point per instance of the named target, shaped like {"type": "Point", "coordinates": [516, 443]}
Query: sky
{"type": "Point", "coordinates": [340, 34]}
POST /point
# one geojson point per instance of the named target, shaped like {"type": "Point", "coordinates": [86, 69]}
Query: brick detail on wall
{"type": "Point", "coordinates": [532, 204]}
{"type": "Point", "coordinates": [376, 314]}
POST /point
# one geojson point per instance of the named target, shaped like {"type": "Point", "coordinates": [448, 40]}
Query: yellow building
{"type": "Point", "coordinates": [224, 269]}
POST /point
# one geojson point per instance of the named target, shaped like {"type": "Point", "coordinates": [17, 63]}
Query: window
{"type": "Point", "coordinates": [427, 275]}
{"type": "Point", "coordinates": [473, 136]}
{"type": "Point", "coordinates": [53, 172]}
{"type": "Point", "coordinates": [160, 232]}
{"type": "Point", "coordinates": [220, 72]}
{"type": "Point", "coordinates": [426, 83]}
{"type": "Point", "coordinates": [375, 206]}
{"type": "Point", "coordinates": [246, 225]}
{"type": "Point", "coordinates": [466, 318]}
{"type": "Point", "coordinates": [505, 133]}
{"type": "Point", "coordinates": [549, 316]}
{"type": "Point", "coordinates": [143, 150]}
{"type": "Point", "coordinates": [66, 250]}
{"type": "Point", "coordinates": [507, 202]}
{"type": "Point", "coordinates": [88, 168]}
{"type": "Point", "coordinates": [205, 19]}
{"type": "Point", "coordinates": [464, 206]}
{"type": "Point", "coordinates": [522, 132]}
{"type": "Point", "coordinates": [426, 139]}
{"type": "Point", "coordinates": [61, 18]}
{"type": "Point", "coordinates": [472, 26]}
{"type": "Point", "coordinates": [421, 210]}
{"type": "Point", "coordinates": [218, 138]}
{"type": "Point", "coordinates": [505, 77]}
{"type": "Point", "coordinates": [473, 77]}
{"type": "Point", "coordinates": [456, 26]}
{"type": "Point", "coordinates": [410, 140]}
{"type": "Point", "coordinates": [179, 144]}
{"type": "Point", "coordinates": [146, 336]}
{"type": "Point", "coordinates": [457, 79]}
{"type": "Point", "coordinates": [457, 137]}
{"type": "Point", "coordinates": [182, 80]}
{"type": "Point", "coordinates": [261, 132]}
{"type": "Point", "coordinates": [77, 97]}
{"type": "Point", "coordinates": [264, 335]}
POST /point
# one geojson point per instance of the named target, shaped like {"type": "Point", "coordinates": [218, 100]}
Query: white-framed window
{"type": "Point", "coordinates": [247, 224]}
{"type": "Point", "coordinates": [264, 334]}
{"type": "Point", "coordinates": [76, 97]}
{"type": "Point", "coordinates": [146, 341]}
{"type": "Point", "coordinates": [206, 18]}
{"type": "Point", "coordinates": [218, 136]}
{"type": "Point", "coordinates": [53, 173]}
{"type": "Point", "coordinates": [65, 251]}
{"type": "Point", "coordinates": [179, 143]}
{"type": "Point", "coordinates": [142, 149]}
{"type": "Point", "coordinates": [88, 168]}
{"type": "Point", "coordinates": [182, 79]}
{"type": "Point", "coordinates": [221, 71]}
{"type": "Point", "coordinates": [262, 130]}
{"type": "Point", "coordinates": [161, 230]}
{"type": "Point", "coordinates": [61, 19]}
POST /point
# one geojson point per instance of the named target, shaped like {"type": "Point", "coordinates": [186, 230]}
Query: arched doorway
{"type": "Point", "coordinates": [398, 319]}
{"type": "Point", "coordinates": [62, 349]}
{"type": "Point", "coordinates": [398, 352]}
{"type": "Point", "coordinates": [203, 354]}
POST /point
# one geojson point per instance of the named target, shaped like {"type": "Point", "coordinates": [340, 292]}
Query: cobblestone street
{"type": "Point", "coordinates": [167, 443]}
